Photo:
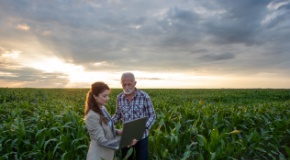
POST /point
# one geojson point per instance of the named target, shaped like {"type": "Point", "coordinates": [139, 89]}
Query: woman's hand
{"type": "Point", "coordinates": [119, 132]}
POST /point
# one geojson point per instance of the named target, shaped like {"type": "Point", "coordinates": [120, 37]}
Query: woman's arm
{"type": "Point", "coordinates": [96, 132]}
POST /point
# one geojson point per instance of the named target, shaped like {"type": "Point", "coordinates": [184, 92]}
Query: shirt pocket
{"type": "Point", "coordinates": [139, 111]}
{"type": "Point", "coordinates": [126, 112]}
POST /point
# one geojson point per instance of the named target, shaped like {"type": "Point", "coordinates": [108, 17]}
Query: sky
{"type": "Point", "coordinates": [165, 43]}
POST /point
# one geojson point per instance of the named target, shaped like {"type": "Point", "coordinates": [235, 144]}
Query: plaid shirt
{"type": "Point", "coordinates": [140, 106]}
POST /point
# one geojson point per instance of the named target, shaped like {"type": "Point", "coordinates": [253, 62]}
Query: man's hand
{"type": "Point", "coordinates": [134, 141]}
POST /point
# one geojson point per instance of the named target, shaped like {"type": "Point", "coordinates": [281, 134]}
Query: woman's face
{"type": "Point", "coordinates": [103, 98]}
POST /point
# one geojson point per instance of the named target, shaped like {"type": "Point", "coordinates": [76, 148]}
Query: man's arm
{"type": "Point", "coordinates": [150, 112]}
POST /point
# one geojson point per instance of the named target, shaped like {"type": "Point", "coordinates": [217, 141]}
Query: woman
{"type": "Point", "coordinates": [98, 122]}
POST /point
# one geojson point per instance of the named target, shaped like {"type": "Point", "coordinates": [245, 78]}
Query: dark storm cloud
{"type": "Point", "coordinates": [219, 57]}
{"type": "Point", "coordinates": [240, 23]}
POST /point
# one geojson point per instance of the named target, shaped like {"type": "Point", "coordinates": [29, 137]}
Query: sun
{"type": "Point", "coordinates": [76, 74]}
{"type": "Point", "coordinates": [51, 65]}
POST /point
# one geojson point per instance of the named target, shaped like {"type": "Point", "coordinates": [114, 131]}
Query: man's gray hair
{"type": "Point", "coordinates": [128, 74]}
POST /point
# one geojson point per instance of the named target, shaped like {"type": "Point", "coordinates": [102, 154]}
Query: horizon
{"type": "Point", "coordinates": [161, 88]}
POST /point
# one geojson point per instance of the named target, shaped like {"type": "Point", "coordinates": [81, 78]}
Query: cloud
{"type": "Point", "coordinates": [197, 37]}
{"type": "Point", "coordinates": [218, 57]}
{"type": "Point", "coordinates": [23, 27]}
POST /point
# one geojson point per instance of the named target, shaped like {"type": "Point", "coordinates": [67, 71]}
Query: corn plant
{"type": "Point", "coordinates": [216, 124]}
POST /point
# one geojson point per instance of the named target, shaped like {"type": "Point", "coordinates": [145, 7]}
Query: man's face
{"type": "Point", "coordinates": [128, 84]}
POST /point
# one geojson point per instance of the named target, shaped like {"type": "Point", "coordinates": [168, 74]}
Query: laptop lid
{"type": "Point", "coordinates": [133, 129]}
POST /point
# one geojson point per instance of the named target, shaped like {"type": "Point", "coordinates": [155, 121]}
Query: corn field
{"type": "Point", "coordinates": [203, 124]}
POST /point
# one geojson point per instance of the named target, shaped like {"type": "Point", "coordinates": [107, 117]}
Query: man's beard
{"type": "Point", "coordinates": [128, 91]}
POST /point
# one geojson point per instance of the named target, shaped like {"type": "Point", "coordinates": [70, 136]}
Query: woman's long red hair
{"type": "Point", "coordinates": [91, 104]}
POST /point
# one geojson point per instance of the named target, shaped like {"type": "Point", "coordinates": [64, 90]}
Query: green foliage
{"type": "Point", "coordinates": [191, 124]}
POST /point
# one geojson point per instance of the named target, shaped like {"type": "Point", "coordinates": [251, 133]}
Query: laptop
{"type": "Point", "coordinates": [133, 129]}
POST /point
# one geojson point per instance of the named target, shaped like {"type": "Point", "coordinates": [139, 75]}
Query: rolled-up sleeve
{"type": "Point", "coordinates": [150, 113]}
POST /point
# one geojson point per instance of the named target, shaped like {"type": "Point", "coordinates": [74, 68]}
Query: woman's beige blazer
{"type": "Point", "coordinates": [99, 132]}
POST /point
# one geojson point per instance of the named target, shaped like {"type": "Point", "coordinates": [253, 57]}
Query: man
{"type": "Point", "coordinates": [131, 104]}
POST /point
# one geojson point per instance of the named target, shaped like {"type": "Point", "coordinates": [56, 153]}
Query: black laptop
{"type": "Point", "coordinates": [133, 129]}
